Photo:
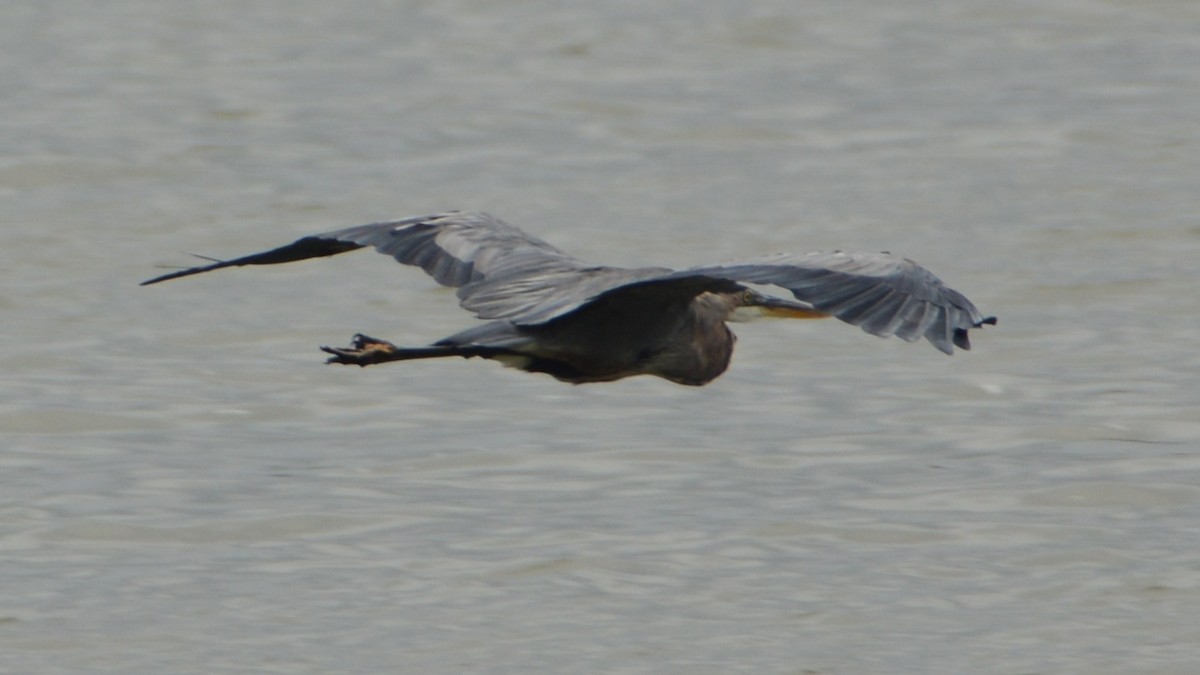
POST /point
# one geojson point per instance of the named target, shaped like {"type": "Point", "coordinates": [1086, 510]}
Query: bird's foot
{"type": "Point", "coordinates": [363, 351]}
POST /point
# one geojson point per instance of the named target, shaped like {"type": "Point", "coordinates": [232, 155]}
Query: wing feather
{"type": "Point", "coordinates": [457, 249]}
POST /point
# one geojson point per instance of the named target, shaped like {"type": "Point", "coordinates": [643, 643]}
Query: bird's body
{"type": "Point", "coordinates": [683, 341]}
{"type": "Point", "coordinates": [552, 313]}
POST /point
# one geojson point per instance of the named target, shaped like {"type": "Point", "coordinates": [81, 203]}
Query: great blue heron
{"type": "Point", "coordinates": [552, 313]}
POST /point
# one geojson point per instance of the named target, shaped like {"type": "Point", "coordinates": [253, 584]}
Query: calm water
{"type": "Point", "coordinates": [184, 487]}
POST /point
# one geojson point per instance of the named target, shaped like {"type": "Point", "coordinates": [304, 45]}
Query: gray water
{"type": "Point", "coordinates": [186, 488]}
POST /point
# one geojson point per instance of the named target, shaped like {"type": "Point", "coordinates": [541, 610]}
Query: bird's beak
{"type": "Point", "coordinates": [771, 306]}
{"type": "Point", "coordinates": [789, 309]}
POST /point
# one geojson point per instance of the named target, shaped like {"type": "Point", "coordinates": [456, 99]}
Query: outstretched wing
{"type": "Point", "coordinates": [881, 293]}
{"type": "Point", "coordinates": [501, 271]}
{"type": "Point", "coordinates": [455, 248]}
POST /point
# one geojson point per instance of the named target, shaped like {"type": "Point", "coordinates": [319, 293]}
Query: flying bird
{"type": "Point", "coordinates": [549, 312]}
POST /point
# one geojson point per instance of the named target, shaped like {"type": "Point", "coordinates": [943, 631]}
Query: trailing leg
{"type": "Point", "coordinates": [367, 351]}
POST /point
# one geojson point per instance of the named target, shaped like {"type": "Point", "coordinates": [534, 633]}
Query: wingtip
{"type": "Point", "coordinates": [962, 338]}
{"type": "Point", "coordinates": [171, 275]}
{"type": "Point", "coordinates": [155, 280]}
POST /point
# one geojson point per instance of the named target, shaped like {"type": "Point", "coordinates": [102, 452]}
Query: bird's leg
{"type": "Point", "coordinates": [364, 351]}
{"type": "Point", "coordinates": [367, 351]}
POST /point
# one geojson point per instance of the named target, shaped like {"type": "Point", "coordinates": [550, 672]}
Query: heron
{"type": "Point", "coordinates": [549, 312]}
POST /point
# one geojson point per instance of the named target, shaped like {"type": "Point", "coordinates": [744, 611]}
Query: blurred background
{"type": "Point", "coordinates": [185, 487]}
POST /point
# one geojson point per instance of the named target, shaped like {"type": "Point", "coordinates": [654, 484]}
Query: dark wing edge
{"type": "Point", "coordinates": [454, 248]}
{"type": "Point", "coordinates": [301, 249]}
{"type": "Point", "coordinates": [880, 293]}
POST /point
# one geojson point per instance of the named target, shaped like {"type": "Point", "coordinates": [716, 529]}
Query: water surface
{"type": "Point", "coordinates": [186, 488]}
